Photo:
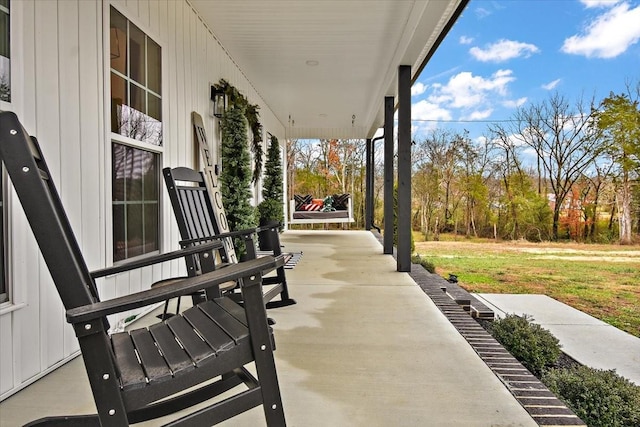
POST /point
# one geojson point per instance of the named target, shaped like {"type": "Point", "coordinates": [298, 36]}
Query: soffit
{"type": "Point", "coordinates": [324, 67]}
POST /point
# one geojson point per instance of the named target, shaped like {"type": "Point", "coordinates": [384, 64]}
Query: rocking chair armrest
{"type": "Point", "coordinates": [156, 259]}
{"type": "Point", "coordinates": [269, 227]}
{"type": "Point", "coordinates": [187, 286]}
{"type": "Point", "coordinates": [245, 232]}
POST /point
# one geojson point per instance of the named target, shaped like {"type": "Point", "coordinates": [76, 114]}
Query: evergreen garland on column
{"type": "Point", "coordinates": [235, 177]}
{"type": "Point", "coordinates": [271, 208]}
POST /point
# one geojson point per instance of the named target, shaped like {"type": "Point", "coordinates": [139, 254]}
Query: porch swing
{"type": "Point", "coordinates": [333, 209]}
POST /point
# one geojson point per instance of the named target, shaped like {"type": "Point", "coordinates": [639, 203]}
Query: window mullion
{"type": "Point", "coordinates": [128, 65]}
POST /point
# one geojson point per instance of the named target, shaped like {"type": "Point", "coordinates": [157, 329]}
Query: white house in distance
{"type": "Point", "coordinates": [80, 74]}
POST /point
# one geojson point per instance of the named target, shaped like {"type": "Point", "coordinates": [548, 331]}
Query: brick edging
{"type": "Point", "coordinates": [543, 406]}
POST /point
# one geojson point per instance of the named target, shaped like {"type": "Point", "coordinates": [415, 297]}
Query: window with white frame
{"type": "Point", "coordinates": [136, 133]}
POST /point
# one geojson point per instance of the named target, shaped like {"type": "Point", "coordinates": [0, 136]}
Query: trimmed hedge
{"type": "Point", "coordinates": [428, 265]}
{"type": "Point", "coordinates": [535, 347]}
{"type": "Point", "coordinates": [600, 398]}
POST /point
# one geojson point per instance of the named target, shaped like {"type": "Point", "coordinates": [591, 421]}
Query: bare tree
{"type": "Point", "coordinates": [436, 165]}
{"type": "Point", "coordinates": [563, 142]}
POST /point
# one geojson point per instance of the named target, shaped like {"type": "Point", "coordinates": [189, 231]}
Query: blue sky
{"type": "Point", "coordinates": [503, 54]}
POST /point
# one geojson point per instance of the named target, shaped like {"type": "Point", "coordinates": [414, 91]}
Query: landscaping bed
{"type": "Point", "coordinates": [600, 398]}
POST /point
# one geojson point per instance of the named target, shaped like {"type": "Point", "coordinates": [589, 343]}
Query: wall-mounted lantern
{"type": "Point", "coordinates": [219, 99]}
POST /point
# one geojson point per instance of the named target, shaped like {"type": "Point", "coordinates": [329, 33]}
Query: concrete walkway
{"type": "Point", "coordinates": [588, 340]}
{"type": "Point", "coordinates": [364, 346]}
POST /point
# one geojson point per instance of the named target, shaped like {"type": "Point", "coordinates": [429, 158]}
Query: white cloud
{"type": "Point", "coordinates": [609, 35]}
{"type": "Point", "coordinates": [599, 3]}
{"type": "Point", "coordinates": [503, 50]}
{"type": "Point", "coordinates": [464, 90]}
{"type": "Point", "coordinates": [425, 116]}
{"type": "Point", "coordinates": [418, 89]}
{"type": "Point", "coordinates": [481, 140]}
{"type": "Point", "coordinates": [514, 103]}
{"type": "Point", "coordinates": [466, 40]}
{"type": "Point", "coordinates": [481, 12]}
{"type": "Point", "coordinates": [479, 114]}
{"type": "Point", "coordinates": [551, 85]}
{"type": "Point", "coordinates": [425, 110]}
{"type": "Point", "coordinates": [439, 75]}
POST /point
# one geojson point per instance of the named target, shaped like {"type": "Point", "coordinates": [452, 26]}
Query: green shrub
{"type": "Point", "coordinates": [600, 398]}
{"type": "Point", "coordinates": [428, 265]}
{"type": "Point", "coordinates": [535, 347]}
{"type": "Point", "coordinates": [270, 210]}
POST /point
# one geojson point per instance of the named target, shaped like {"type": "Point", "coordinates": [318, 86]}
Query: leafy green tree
{"type": "Point", "coordinates": [618, 121]}
{"type": "Point", "coordinates": [525, 214]}
{"type": "Point", "coordinates": [236, 171]}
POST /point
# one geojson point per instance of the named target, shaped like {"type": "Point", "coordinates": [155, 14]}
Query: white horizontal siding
{"type": "Point", "coordinates": [61, 96]}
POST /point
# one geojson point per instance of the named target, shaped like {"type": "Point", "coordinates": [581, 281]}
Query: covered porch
{"type": "Point", "coordinates": [364, 346]}
{"type": "Point", "coordinates": [330, 69]}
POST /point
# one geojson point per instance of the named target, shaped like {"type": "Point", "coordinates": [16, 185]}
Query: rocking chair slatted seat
{"type": "Point", "coordinates": [150, 372]}
{"type": "Point", "coordinates": [197, 222]}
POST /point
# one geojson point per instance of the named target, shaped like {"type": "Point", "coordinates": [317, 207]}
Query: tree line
{"type": "Point", "coordinates": [556, 170]}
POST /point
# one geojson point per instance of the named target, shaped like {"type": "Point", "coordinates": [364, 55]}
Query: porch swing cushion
{"type": "Point", "coordinates": [301, 200]}
{"type": "Point", "coordinates": [308, 210]}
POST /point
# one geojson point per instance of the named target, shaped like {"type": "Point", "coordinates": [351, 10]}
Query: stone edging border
{"type": "Point", "coordinates": [543, 406]}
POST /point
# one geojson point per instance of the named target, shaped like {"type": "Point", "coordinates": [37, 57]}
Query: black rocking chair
{"type": "Point", "coordinates": [197, 222]}
{"type": "Point", "coordinates": [169, 367]}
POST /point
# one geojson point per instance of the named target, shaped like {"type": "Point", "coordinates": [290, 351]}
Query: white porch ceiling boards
{"type": "Point", "coordinates": [319, 63]}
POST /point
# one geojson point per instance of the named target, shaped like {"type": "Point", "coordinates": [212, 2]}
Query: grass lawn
{"type": "Point", "coordinates": [601, 280]}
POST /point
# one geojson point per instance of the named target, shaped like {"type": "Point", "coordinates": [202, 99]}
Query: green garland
{"type": "Point", "coordinates": [236, 99]}
{"type": "Point", "coordinates": [235, 178]}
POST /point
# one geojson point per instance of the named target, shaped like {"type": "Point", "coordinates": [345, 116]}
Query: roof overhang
{"type": "Point", "coordinates": [324, 67]}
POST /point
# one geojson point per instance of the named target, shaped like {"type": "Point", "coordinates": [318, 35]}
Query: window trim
{"type": "Point", "coordinates": [111, 137]}
{"type": "Point", "coordinates": [6, 105]}
{"type": "Point", "coordinates": [158, 202]}
{"type": "Point", "coordinates": [16, 296]}
{"type": "Point", "coordinates": [4, 277]}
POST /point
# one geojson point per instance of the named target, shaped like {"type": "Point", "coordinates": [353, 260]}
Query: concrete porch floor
{"type": "Point", "coordinates": [364, 346]}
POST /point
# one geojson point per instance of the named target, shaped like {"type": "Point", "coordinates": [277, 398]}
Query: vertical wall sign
{"type": "Point", "coordinates": [211, 181]}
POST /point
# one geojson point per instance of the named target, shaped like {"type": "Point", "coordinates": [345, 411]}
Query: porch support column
{"type": "Point", "coordinates": [388, 175]}
{"type": "Point", "coordinates": [404, 168]}
{"type": "Point", "coordinates": [368, 199]}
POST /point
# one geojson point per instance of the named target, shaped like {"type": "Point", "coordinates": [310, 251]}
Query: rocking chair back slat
{"type": "Point", "coordinates": [41, 203]}
{"type": "Point", "coordinates": [195, 216]}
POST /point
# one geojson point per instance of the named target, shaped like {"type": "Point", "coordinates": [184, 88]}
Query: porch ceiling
{"type": "Point", "coordinates": [317, 64]}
